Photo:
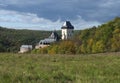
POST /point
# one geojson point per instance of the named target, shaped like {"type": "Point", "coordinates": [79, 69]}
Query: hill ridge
{"type": "Point", "coordinates": [104, 38]}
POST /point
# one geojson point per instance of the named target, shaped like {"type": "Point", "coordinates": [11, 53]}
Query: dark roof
{"type": "Point", "coordinates": [54, 35]}
{"type": "Point", "coordinates": [52, 38]}
{"type": "Point", "coordinates": [67, 25]}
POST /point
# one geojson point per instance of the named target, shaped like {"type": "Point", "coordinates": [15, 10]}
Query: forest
{"type": "Point", "coordinates": [12, 39]}
{"type": "Point", "coordinates": [104, 38]}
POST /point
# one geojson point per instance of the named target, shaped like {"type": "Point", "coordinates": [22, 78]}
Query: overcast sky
{"type": "Point", "coordinates": [50, 14]}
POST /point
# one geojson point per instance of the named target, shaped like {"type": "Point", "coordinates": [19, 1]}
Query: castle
{"type": "Point", "coordinates": [67, 31]}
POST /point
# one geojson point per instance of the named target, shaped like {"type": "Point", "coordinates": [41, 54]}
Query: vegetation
{"type": "Point", "coordinates": [11, 39]}
{"type": "Point", "coordinates": [30, 68]}
{"type": "Point", "coordinates": [104, 38]}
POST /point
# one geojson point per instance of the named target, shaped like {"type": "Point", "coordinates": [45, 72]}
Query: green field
{"type": "Point", "coordinates": [35, 68]}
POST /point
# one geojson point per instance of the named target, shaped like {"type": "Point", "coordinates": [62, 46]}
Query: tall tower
{"type": "Point", "coordinates": [67, 30]}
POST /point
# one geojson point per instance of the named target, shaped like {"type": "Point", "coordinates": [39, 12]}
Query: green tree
{"type": "Point", "coordinates": [115, 46]}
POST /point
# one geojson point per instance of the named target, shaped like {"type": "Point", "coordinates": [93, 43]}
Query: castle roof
{"type": "Point", "coordinates": [54, 35]}
{"type": "Point", "coordinates": [52, 38]}
{"type": "Point", "coordinates": [67, 25]}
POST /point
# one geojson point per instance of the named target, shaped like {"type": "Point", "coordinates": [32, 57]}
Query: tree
{"type": "Point", "coordinates": [115, 46]}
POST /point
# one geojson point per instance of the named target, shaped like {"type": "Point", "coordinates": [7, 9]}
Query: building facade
{"type": "Point", "coordinates": [25, 48]}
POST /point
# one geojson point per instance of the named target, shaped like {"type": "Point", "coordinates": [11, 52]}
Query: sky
{"type": "Point", "coordinates": [51, 14]}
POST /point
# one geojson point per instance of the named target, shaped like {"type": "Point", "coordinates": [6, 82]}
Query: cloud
{"type": "Point", "coordinates": [50, 14]}
{"type": "Point", "coordinates": [3, 5]}
{"type": "Point", "coordinates": [22, 20]}
{"type": "Point", "coordinates": [101, 11]}
{"type": "Point", "coordinates": [110, 3]}
{"type": "Point", "coordinates": [22, 2]}
{"type": "Point", "coordinates": [80, 23]}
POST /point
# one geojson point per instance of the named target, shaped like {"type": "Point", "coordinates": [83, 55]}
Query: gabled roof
{"type": "Point", "coordinates": [54, 35]}
{"type": "Point", "coordinates": [52, 38]}
{"type": "Point", "coordinates": [67, 25]}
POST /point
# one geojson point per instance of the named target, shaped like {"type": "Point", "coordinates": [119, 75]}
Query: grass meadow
{"type": "Point", "coordinates": [38, 68]}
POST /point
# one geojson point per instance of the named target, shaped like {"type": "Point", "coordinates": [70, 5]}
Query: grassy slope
{"type": "Point", "coordinates": [29, 68]}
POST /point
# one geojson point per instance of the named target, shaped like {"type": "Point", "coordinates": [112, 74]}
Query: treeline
{"type": "Point", "coordinates": [12, 39]}
{"type": "Point", "coordinates": [104, 38]}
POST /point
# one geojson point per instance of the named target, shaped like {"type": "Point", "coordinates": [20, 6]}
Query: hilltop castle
{"type": "Point", "coordinates": [67, 30]}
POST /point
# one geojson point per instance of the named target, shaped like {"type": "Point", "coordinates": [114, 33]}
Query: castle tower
{"type": "Point", "coordinates": [67, 30]}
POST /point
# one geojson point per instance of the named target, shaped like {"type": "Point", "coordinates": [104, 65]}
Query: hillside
{"type": "Point", "coordinates": [104, 38]}
{"type": "Point", "coordinates": [12, 39]}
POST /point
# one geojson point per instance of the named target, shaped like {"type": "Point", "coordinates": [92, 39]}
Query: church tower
{"type": "Point", "coordinates": [67, 30]}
